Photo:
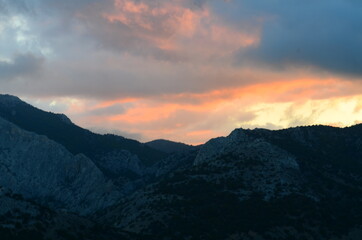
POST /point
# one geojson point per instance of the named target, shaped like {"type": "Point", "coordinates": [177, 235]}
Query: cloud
{"type": "Point", "coordinates": [271, 105]}
{"type": "Point", "coordinates": [165, 30]}
{"type": "Point", "coordinates": [186, 70]}
{"type": "Point", "coordinates": [3, 9]}
{"type": "Point", "coordinates": [127, 48]}
{"type": "Point", "coordinates": [319, 34]}
{"type": "Point", "coordinates": [20, 66]}
{"type": "Point", "coordinates": [115, 109]}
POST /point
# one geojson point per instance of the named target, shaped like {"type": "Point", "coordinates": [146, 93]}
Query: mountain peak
{"type": "Point", "coordinates": [10, 100]}
{"type": "Point", "coordinates": [64, 118]}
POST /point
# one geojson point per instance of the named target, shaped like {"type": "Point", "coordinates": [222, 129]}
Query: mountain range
{"type": "Point", "coordinates": [60, 181]}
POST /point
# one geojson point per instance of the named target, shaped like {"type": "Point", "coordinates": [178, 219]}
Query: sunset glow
{"type": "Point", "coordinates": [184, 70]}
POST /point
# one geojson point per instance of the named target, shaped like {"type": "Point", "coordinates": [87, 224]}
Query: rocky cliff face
{"type": "Point", "coordinates": [41, 169]}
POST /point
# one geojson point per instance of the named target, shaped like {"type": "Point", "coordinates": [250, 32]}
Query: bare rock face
{"type": "Point", "coordinates": [238, 143]}
{"type": "Point", "coordinates": [41, 169]}
{"type": "Point", "coordinates": [119, 161]}
{"type": "Point", "coordinates": [257, 163]}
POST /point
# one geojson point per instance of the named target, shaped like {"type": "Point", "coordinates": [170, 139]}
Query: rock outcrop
{"type": "Point", "coordinates": [43, 170]}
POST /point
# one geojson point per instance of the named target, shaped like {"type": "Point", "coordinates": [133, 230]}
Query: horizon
{"type": "Point", "coordinates": [175, 141]}
{"type": "Point", "coordinates": [185, 71]}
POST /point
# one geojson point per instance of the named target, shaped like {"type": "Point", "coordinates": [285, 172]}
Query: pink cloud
{"type": "Point", "coordinates": [173, 26]}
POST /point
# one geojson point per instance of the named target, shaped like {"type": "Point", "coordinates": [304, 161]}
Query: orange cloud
{"type": "Point", "coordinates": [299, 89]}
{"type": "Point", "coordinates": [156, 119]}
{"type": "Point", "coordinates": [171, 26]}
{"type": "Point", "coordinates": [199, 133]}
{"type": "Point", "coordinates": [196, 117]}
{"type": "Point", "coordinates": [156, 21]}
{"type": "Point", "coordinates": [148, 110]}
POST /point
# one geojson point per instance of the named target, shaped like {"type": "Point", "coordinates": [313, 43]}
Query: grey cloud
{"type": "Point", "coordinates": [107, 111]}
{"type": "Point", "coordinates": [22, 65]}
{"type": "Point", "coordinates": [89, 57]}
{"type": "Point", "coordinates": [324, 34]}
{"type": "Point", "coordinates": [111, 83]}
{"type": "Point", "coordinates": [121, 38]}
{"type": "Point", "coordinates": [18, 6]}
{"type": "Point", "coordinates": [68, 16]}
{"type": "Point", "coordinates": [3, 8]}
{"type": "Point", "coordinates": [143, 32]}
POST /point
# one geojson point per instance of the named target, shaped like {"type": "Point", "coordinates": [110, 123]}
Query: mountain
{"type": "Point", "coordinates": [24, 219]}
{"type": "Point", "coordinates": [59, 181]}
{"type": "Point", "coordinates": [299, 183]}
{"type": "Point", "coordinates": [169, 146]}
{"type": "Point", "coordinates": [120, 159]}
{"type": "Point", "coordinates": [43, 170]}
{"type": "Point", "coordinates": [59, 128]}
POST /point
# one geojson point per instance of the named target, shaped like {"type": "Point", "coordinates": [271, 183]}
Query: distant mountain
{"type": "Point", "coordinates": [169, 146]}
{"type": "Point", "coordinates": [299, 183]}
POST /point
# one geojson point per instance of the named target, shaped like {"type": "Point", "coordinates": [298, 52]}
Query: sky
{"type": "Point", "coordinates": [185, 70]}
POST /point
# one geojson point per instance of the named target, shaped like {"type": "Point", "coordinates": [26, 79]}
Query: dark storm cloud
{"type": "Point", "coordinates": [21, 65]}
{"type": "Point", "coordinates": [325, 34]}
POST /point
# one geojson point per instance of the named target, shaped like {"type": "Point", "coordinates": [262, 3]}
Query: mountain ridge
{"type": "Point", "coordinates": [30, 118]}
{"type": "Point", "coordinates": [295, 183]}
{"type": "Point", "coordinates": [170, 146]}
{"type": "Point", "coordinates": [124, 161]}
{"type": "Point", "coordinates": [270, 183]}
{"type": "Point", "coordinates": [67, 181]}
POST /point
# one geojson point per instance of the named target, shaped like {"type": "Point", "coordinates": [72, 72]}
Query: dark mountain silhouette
{"type": "Point", "coordinates": [76, 139]}
{"type": "Point", "coordinates": [169, 146]}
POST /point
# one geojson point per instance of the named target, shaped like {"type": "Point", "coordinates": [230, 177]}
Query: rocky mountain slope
{"type": "Point", "coordinates": [22, 219]}
{"type": "Point", "coordinates": [43, 170]}
{"type": "Point", "coordinates": [256, 184]}
{"type": "Point", "coordinates": [113, 155]}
